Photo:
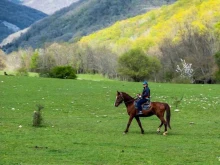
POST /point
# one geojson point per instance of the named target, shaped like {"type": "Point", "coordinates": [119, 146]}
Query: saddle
{"type": "Point", "coordinates": [145, 106]}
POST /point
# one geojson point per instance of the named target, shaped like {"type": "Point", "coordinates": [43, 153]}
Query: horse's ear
{"type": "Point", "coordinates": [118, 92]}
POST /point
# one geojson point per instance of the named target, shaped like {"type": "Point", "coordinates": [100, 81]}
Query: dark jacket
{"type": "Point", "coordinates": [146, 92]}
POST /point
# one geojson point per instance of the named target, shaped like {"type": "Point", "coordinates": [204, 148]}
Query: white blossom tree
{"type": "Point", "coordinates": [185, 70]}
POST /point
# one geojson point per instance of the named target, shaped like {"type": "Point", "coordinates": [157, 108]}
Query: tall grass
{"type": "Point", "coordinates": [82, 126]}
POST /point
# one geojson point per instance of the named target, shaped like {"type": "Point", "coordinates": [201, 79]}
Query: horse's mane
{"type": "Point", "coordinates": [127, 95]}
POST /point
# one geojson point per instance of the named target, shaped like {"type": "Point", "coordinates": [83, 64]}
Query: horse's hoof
{"type": "Point", "coordinates": [165, 133]}
{"type": "Point", "coordinates": [158, 130]}
{"type": "Point", "coordinates": [124, 133]}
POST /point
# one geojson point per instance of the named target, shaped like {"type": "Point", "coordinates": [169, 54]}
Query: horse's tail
{"type": "Point", "coordinates": [168, 115]}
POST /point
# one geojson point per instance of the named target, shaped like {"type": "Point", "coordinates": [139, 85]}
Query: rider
{"type": "Point", "coordinates": [145, 96]}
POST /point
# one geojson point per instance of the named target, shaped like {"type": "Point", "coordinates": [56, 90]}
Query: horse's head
{"type": "Point", "coordinates": [119, 99]}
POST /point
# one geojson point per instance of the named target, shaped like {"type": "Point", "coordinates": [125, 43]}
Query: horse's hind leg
{"type": "Point", "coordinates": [139, 123]}
{"type": "Point", "coordinates": [158, 129]}
{"type": "Point", "coordinates": [163, 121]}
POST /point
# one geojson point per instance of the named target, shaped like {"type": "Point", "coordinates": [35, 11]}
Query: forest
{"type": "Point", "coordinates": [180, 43]}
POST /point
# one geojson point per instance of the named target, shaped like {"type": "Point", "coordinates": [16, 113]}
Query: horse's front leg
{"type": "Point", "coordinates": [139, 123]}
{"type": "Point", "coordinates": [129, 123]}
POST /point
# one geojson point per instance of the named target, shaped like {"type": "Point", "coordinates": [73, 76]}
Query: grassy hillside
{"type": "Point", "coordinates": [81, 125]}
{"type": "Point", "coordinates": [20, 16]}
{"type": "Point", "coordinates": [80, 19]}
{"type": "Point", "coordinates": [147, 30]}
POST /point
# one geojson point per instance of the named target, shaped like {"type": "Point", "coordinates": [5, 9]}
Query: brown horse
{"type": "Point", "coordinates": [156, 108]}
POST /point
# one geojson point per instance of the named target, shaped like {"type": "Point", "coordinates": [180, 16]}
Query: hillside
{"type": "Point", "coordinates": [80, 19]}
{"type": "Point", "coordinates": [48, 7]}
{"type": "Point", "coordinates": [15, 17]}
{"type": "Point", "coordinates": [12, 37]}
{"type": "Point", "coordinates": [185, 34]}
{"type": "Point", "coordinates": [148, 30]}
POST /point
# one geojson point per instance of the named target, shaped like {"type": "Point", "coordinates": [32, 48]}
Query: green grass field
{"type": "Point", "coordinates": [82, 126]}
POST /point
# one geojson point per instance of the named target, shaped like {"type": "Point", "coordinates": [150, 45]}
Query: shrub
{"type": "Point", "coordinates": [22, 72]}
{"type": "Point", "coordinates": [63, 72]}
{"type": "Point", "coordinates": [177, 101]}
{"type": "Point", "coordinates": [181, 80]}
{"type": "Point", "coordinates": [37, 117]}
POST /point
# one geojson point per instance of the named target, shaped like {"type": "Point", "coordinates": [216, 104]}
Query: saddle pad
{"type": "Point", "coordinates": [145, 106]}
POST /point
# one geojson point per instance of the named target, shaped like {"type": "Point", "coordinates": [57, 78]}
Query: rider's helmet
{"type": "Point", "coordinates": [145, 83]}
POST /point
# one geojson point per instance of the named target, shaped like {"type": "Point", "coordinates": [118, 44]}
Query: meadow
{"type": "Point", "coordinates": [82, 126]}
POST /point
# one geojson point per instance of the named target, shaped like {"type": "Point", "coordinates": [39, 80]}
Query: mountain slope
{"type": "Point", "coordinates": [16, 17]}
{"type": "Point", "coordinates": [147, 30]}
{"type": "Point", "coordinates": [48, 7]}
{"type": "Point", "coordinates": [80, 19]}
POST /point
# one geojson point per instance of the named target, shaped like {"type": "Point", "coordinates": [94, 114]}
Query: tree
{"type": "Point", "coordinates": [217, 59]}
{"type": "Point", "coordinates": [99, 60]}
{"type": "Point", "coordinates": [34, 60]}
{"type": "Point", "coordinates": [2, 60]}
{"type": "Point", "coordinates": [195, 47]}
{"type": "Point", "coordinates": [135, 65]}
{"type": "Point", "coordinates": [185, 70]}
{"type": "Point", "coordinates": [217, 72]}
{"type": "Point", "coordinates": [46, 62]}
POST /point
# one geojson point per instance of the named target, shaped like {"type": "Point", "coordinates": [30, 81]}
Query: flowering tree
{"type": "Point", "coordinates": [185, 70]}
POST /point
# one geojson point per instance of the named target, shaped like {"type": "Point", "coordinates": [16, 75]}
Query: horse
{"type": "Point", "coordinates": [156, 108]}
